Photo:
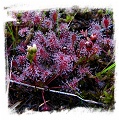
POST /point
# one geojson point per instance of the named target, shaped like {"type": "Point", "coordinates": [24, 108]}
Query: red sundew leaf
{"type": "Point", "coordinates": [22, 59]}
{"type": "Point", "coordinates": [45, 74]}
{"type": "Point", "coordinates": [47, 23]}
{"type": "Point", "coordinates": [89, 44]}
{"type": "Point", "coordinates": [73, 37]}
{"type": "Point", "coordinates": [106, 22]}
{"type": "Point", "coordinates": [82, 43]}
{"type": "Point", "coordinates": [22, 49]}
{"type": "Point", "coordinates": [93, 37]}
{"type": "Point", "coordinates": [14, 63]}
{"type": "Point", "coordinates": [54, 16]}
{"type": "Point", "coordinates": [43, 53]}
{"type": "Point", "coordinates": [37, 19]}
{"type": "Point", "coordinates": [84, 33]}
{"type": "Point", "coordinates": [61, 57]}
{"type": "Point", "coordinates": [13, 77]}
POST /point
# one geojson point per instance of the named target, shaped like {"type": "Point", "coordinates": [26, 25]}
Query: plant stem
{"type": "Point", "coordinates": [51, 79]}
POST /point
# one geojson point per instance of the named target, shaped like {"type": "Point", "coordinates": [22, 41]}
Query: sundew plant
{"type": "Point", "coordinates": [60, 59]}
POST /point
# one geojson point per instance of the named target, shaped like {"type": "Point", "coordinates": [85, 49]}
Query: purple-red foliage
{"type": "Point", "coordinates": [58, 49]}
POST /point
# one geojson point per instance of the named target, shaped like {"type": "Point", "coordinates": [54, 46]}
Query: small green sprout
{"type": "Point", "coordinates": [31, 52]}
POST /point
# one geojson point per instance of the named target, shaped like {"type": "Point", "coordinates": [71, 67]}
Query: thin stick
{"type": "Point", "coordinates": [43, 103]}
{"type": "Point", "coordinates": [51, 79]}
{"type": "Point", "coordinates": [15, 105]}
{"type": "Point", "coordinates": [29, 36]}
{"type": "Point", "coordinates": [59, 92]}
{"type": "Point", "coordinates": [72, 18]}
{"type": "Point", "coordinates": [9, 75]}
